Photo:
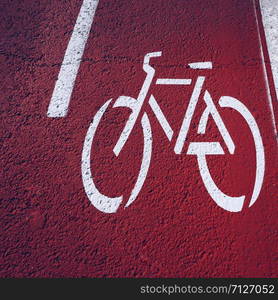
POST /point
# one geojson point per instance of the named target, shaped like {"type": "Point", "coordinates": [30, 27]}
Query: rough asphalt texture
{"type": "Point", "coordinates": [174, 229]}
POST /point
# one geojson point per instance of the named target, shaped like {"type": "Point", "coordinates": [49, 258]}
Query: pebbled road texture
{"type": "Point", "coordinates": [173, 229]}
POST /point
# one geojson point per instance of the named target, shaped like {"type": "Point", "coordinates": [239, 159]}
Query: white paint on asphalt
{"type": "Point", "coordinates": [136, 104]}
{"type": "Point", "coordinates": [269, 4]}
{"type": "Point", "coordinates": [201, 65]}
{"type": "Point", "coordinates": [201, 149]}
{"type": "Point", "coordinates": [230, 102]}
{"type": "Point", "coordinates": [161, 118]}
{"type": "Point", "coordinates": [269, 10]}
{"type": "Point", "coordinates": [100, 201]}
{"type": "Point", "coordinates": [146, 160]}
{"type": "Point", "coordinates": [173, 81]}
{"type": "Point", "coordinates": [60, 100]}
{"type": "Point", "coordinates": [189, 114]}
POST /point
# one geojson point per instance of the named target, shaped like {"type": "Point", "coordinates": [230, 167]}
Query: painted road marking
{"type": "Point", "coordinates": [60, 100]}
{"type": "Point", "coordinates": [269, 5]}
{"type": "Point", "coordinates": [136, 107]}
{"type": "Point", "coordinates": [200, 149]}
{"type": "Point", "coordinates": [161, 118]}
{"type": "Point", "coordinates": [173, 81]}
{"type": "Point", "coordinates": [269, 11]}
{"type": "Point", "coordinates": [201, 65]}
{"type": "Point", "coordinates": [189, 114]}
{"type": "Point", "coordinates": [100, 201]}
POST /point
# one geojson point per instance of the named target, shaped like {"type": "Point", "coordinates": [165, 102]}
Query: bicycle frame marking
{"type": "Point", "coordinates": [200, 149]}
{"type": "Point", "coordinates": [201, 65]}
{"type": "Point", "coordinates": [173, 81]}
{"type": "Point", "coordinates": [189, 114]}
{"type": "Point", "coordinates": [136, 104]}
{"type": "Point", "coordinates": [161, 118]}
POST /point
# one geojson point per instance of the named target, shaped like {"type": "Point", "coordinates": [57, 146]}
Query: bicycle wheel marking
{"type": "Point", "coordinates": [226, 101]}
{"type": "Point", "coordinates": [232, 204]}
{"type": "Point", "coordinates": [100, 201]}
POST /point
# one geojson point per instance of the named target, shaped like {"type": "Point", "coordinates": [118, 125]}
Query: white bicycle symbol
{"type": "Point", "coordinates": [200, 149]}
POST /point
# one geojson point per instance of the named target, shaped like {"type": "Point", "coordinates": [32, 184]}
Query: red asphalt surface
{"type": "Point", "coordinates": [173, 229]}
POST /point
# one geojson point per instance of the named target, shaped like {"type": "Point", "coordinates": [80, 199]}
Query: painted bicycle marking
{"type": "Point", "coordinates": [199, 149]}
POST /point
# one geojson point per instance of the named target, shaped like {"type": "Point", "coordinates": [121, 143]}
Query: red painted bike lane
{"type": "Point", "coordinates": [173, 228]}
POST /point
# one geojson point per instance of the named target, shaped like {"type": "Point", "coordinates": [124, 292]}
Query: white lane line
{"type": "Point", "coordinates": [201, 65]}
{"type": "Point", "coordinates": [265, 73]}
{"type": "Point", "coordinates": [60, 99]}
{"type": "Point", "coordinates": [269, 11]}
{"type": "Point", "coordinates": [173, 81]}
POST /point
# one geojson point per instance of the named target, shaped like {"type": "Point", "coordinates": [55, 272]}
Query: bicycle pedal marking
{"type": "Point", "coordinates": [199, 149]}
